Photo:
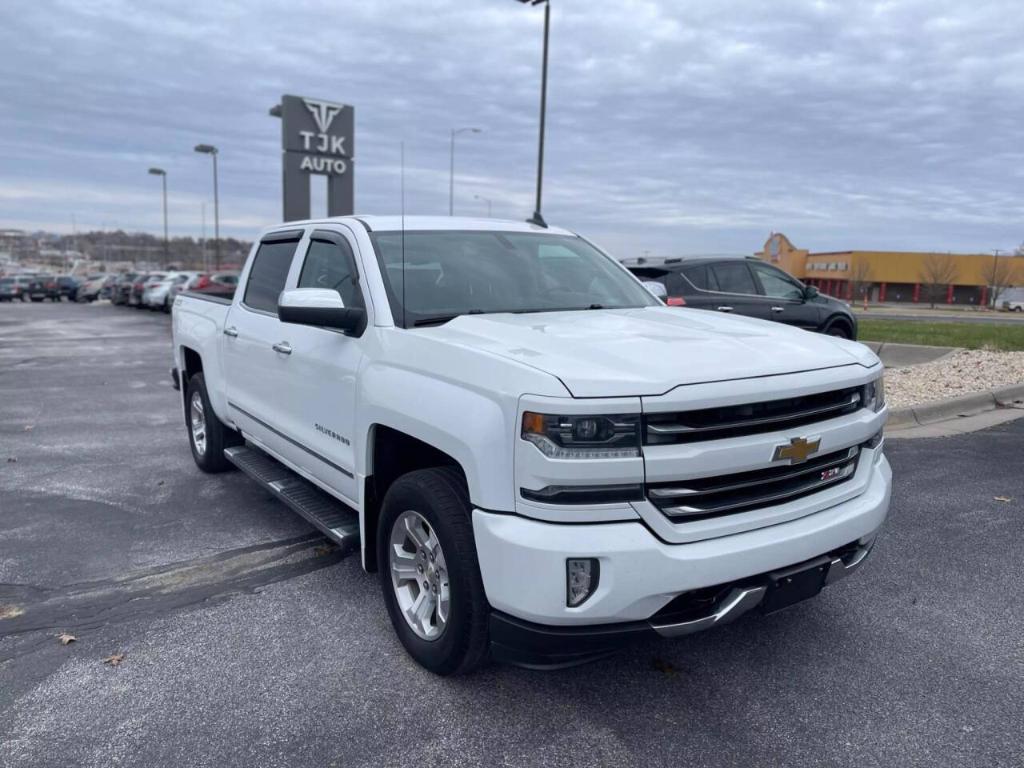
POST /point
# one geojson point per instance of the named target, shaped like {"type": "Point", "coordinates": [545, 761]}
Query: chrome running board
{"type": "Point", "coordinates": [336, 520]}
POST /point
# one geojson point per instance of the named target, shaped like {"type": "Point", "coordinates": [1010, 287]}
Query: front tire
{"type": "Point", "coordinates": [207, 435]}
{"type": "Point", "coordinates": [838, 329]}
{"type": "Point", "coordinates": [429, 571]}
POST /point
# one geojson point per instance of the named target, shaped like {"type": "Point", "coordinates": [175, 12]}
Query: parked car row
{"type": "Point", "coordinates": [157, 290]}
{"type": "Point", "coordinates": [153, 290]}
{"type": "Point", "coordinates": [37, 286]}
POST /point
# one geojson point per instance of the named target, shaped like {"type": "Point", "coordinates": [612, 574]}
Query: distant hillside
{"type": "Point", "coordinates": [118, 246]}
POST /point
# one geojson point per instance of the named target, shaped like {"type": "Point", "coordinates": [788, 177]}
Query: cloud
{"type": "Point", "coordinates": [672, 127]}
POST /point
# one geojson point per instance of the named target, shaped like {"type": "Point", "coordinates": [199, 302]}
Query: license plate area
{"type": "Point", "coordinates": [793, 585]}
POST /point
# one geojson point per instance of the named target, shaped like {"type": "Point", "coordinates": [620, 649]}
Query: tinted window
{"type": "Point", "coordinates": [268, 274]}
{"type": "Point", "coordinates": [733, 277]}
{"type": "Point", "coordinates": [332, 265]}
{"type": "Point", "coordinates": [777, 284]}
{"type": "Point", "coordinates": [698, 275]}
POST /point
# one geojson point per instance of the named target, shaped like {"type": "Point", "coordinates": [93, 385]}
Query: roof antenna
{"type": "Point", "coordinates": [404, 325]}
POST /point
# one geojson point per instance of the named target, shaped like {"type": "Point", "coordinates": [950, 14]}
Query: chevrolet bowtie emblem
{"type": "Point", "coordinates": [797, 450]}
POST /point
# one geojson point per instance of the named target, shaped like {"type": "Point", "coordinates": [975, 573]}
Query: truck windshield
{"type": "Point", "coordinates": [450, 273]}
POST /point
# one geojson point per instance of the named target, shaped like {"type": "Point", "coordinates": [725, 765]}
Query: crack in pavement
{"type": "Point", "coordinates": [89, 605]}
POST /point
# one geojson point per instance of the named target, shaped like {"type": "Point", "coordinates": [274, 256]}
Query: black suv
{"type": "Point", "coordinates": [749, 287]}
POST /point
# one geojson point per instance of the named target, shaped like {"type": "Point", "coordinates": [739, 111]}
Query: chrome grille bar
{"type": "Point", "coordinates": [676, 492]}
{"type": "Point", "coordinates": [678, 429]}
{"type": "Point", "coordinates": [710, 497]}
{"type": "Point", "coordinates": [749, 418]}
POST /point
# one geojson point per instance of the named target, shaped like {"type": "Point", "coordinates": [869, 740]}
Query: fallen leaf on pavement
{"type": "Point", "coordinates": [29, 428]}
{"type": "Point", "coordinates": [66, 638]}
{"type": "Point", "coordinates": [665, 667]}
{"type": "Point", "coordinates": [11, 460]}
{"type": "Point", "coordinates": [114, 660]}
{"type": "Point", "coordinates": [10, 611]}
{"type": "Point", "coordinates": [1002, 498]}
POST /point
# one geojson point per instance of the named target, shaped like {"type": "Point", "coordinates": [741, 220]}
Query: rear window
{"type": "Point", "coordinates": [268, 274]}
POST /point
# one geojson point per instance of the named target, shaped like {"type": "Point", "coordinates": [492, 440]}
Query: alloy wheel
{"type": "Point", "coordinates": [419, 575]}
{"type": "Point", "coordinates": [197, 420]}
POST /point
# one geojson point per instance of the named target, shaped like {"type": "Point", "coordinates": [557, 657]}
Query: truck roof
{"type": "Point", "coordinates": [420, 223]}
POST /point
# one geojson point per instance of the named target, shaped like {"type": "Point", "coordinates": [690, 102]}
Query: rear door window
{"type": "Point", "coordinates": [268, 274]}
{"type": "Point", "coordinates": [733, 277]}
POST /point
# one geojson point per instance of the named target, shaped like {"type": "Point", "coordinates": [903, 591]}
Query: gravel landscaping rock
{"type": "Point", "coordinates": [961, 373]}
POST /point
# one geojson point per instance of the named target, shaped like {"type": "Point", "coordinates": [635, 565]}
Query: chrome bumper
{"type": "Point", "coordinates": [741, 600]}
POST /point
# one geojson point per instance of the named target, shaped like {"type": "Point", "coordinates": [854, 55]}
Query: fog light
{"type": "Point", "coordinates": [581, 577]}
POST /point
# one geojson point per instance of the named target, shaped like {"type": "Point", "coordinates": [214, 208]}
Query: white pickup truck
{"type": "Point", "coordinates": [541, 460]}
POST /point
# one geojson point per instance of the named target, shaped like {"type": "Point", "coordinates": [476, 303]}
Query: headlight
{"type": "Point", "coordinates": [583, 437]}
{"type": "Point", "coordinates": [874, 394]}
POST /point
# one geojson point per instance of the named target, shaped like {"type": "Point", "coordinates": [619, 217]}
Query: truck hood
{"type": "Point", "coordinates": [648, 351]}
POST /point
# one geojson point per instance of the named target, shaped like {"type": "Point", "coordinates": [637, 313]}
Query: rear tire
{"type": "Point", "coordinates": [437, 504]}
{"type": "Point", "coordinates": [207, 435]}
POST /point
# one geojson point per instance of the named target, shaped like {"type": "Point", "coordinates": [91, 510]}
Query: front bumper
{"type": "Point", "coordinates": [522, 561]}
{"type": "Point", "coordinates": [540, 646]}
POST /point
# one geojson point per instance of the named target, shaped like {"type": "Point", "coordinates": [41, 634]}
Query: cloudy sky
{"type": "Point", "coordinates": [673, 127]}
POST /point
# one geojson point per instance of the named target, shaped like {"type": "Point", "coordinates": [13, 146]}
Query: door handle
{"type": "Point", "coordinates": [283, 347]}
{"type": "Point", "coordinates": [724, 309]}
{"type": "Point", "coordinates": [778, 309]}
{"type": "Point", "coordinates": [232, 331]}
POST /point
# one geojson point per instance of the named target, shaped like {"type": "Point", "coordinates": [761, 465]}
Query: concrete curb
{"type": "Point", "coordinates": [894, 355]}
{"type": "Point", "coordinates": [966, 405]}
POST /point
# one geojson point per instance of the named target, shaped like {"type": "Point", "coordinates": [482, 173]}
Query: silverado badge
{"type": "Point", "coordinates": [797, 450]}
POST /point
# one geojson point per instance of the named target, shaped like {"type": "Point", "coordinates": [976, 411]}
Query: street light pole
{"type": "Point", "coordinates": [451, 171]}
{"type": "Point", "coordinates": [486, 200]}
{"type": "Point", "coordinates": [209, 149]}
{"type": "Point", "coordinates": [163, 176]}
{"type": "Point", "coordinates": [537, 218]}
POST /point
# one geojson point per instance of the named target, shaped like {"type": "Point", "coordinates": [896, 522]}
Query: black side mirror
{"type": "Point", "coordinates": [320, 308]}
{"type": "Point", "coordinates": [810, 292]}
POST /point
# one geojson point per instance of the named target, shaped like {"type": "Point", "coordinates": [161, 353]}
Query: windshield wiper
{"type": "Point", "coordinates": [442, 319]}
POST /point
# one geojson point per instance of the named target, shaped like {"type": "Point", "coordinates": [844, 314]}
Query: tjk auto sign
{"type": "Point", "coordinates": [317, 138]}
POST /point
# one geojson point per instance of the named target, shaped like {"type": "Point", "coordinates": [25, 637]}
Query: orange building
{"type": "Point", "coordinates": [894, 276]}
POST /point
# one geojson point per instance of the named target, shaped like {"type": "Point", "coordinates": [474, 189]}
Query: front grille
{"type": "Point", "coordinates": [706, 497]}
{"type": "Point", "coordinates": [749, 418]}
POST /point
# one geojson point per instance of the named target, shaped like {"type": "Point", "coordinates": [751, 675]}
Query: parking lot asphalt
{"type": "Point", "coordinates": [248, 641]}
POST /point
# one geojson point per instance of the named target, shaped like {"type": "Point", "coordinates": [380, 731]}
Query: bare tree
{"type": "Point", "coordinates": [999, 274]}
{"type": "Point", "coordinates": [861, 279]}
{"type": "Point", "coordinates": [1019, 250]}
{"type": "Point", "coordinates": [938, 271]}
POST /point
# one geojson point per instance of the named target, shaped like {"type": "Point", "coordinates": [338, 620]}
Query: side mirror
{"type": "Point", "coordinates": [321, 308]}
{"type": "Point", "coordinates": [810, 292]}
{"type": "Point", "coordinates": [656, 289]}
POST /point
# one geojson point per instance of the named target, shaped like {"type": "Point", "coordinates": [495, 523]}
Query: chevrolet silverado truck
{"type": "Point", "coordinates": [541, 461]}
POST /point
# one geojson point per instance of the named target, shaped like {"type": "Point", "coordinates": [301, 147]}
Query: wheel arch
{"type": "Point", "coordinates": [391, 453]}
